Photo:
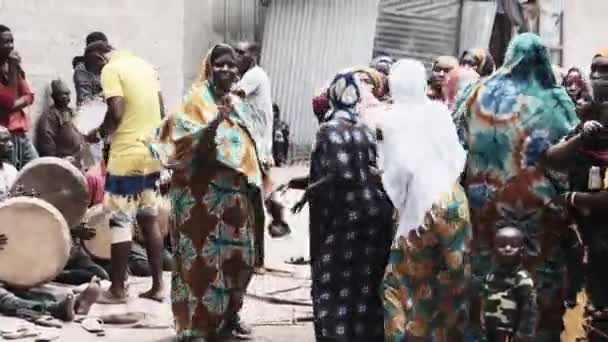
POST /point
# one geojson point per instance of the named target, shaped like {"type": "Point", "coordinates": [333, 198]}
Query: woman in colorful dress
{"type": "Point", "coordinates": [214, 187]}
{"type": "Point", "coordinates": [426, 277]}
{"type": "Point", "coordinates": [514, 121]}
{"type": "Point", "coordinates": [351, 219]}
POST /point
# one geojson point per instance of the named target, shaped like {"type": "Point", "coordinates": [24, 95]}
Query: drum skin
{"type": "Point", "coordinates": [59, 183]}
{"type": "Point", "coordinates": [99, 219]}
{"type": "Point", "coordinates": [38, 242]}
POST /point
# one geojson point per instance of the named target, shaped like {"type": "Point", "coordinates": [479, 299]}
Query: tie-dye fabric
{"type": "Point", "coordinates": [424, 288]}
{"type": "Point", "coordinates": [512, 118]}
{"type": "Point", "coordinates": [215, 210]}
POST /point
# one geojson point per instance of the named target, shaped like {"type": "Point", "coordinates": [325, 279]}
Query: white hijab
{"type": "Point", "coordinates": [423, 157]}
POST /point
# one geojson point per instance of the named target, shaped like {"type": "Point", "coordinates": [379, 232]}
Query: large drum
{"type": "Point", "coordinates": [58, 182]}
{"type": "Point", "coordinates": [98, 218]}
{"type": "Point", "coordinates": [38, 242]}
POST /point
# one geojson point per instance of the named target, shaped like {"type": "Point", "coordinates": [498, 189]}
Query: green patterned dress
{"type": "Point", "coordinates": [425, 286]}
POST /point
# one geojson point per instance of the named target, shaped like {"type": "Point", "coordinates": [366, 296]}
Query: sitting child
{"type": "Point", "coordinates": [509, 309]}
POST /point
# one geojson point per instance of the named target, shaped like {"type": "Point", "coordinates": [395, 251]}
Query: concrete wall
{"type": "Point", "coordinates": [585, 27]}
{"type": "Point", "coordinates": [49, 33]}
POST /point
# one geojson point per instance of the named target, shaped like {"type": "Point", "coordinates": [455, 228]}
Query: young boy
{"type": "Point", "coordinates": [509, 309]}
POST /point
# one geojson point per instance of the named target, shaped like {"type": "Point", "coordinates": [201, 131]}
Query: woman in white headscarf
{"type": "Point", "coordinates": [425, 281]}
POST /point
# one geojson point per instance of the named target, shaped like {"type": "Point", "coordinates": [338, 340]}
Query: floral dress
{"type": "Point", "coordinates": [215, 206]}
{"type": "Point", "coordinates": [426, 279]}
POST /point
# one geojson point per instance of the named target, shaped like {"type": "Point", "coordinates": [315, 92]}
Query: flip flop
{"type": "Point", "coordinates": [297, 261]}
{"type": "Point", "coordinates": [47, 321]}
{"type": "Point", "coordinates": [93, 325]}
{"type": "Point", "coordinates": [20, 333]}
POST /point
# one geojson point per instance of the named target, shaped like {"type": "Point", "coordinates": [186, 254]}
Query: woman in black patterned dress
{"type": "Point", "coordinates": [351, 223]}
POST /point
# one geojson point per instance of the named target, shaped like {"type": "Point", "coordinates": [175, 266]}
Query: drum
{"type": "Point", "coordinates": [58, 182]}
{"type": "Point", "coordinates": [98, 218]}
{"type": "Point", "coordinates": [38, 242]}
{"type": "Point", "coordinates": [90, 115]}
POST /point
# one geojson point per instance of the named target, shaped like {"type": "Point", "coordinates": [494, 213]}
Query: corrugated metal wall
{"type": "Point", "coordinates": [420, 29]}
{"type": "Point", "coordinates": [305, 43]}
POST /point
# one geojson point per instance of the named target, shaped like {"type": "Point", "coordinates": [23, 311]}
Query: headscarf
{"type": "Point", "coordinates": [523, 90]}
{"type": "Point", "coordinates": [175, 142]}
{"type": "Point", "coordinates": [344, 95]}
{"type": "Point", "coordinates": [447, 62]}
{"type": "Point", "coordinates": [423, 156]}
{"type": "Point", "coordinates": [456, 81]}
{"type": "Point", "coordinates": [377, 79]}
{"type": "Point", "coordinates": [602, 53]}
{"type": "Point", "coordinates": [484, 59]}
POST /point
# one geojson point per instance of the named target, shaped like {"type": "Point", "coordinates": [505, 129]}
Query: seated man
{"type": "Point", "coordinates": [56, 135]}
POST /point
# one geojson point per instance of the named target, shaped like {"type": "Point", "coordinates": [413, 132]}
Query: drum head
{"type": "Point", "coordinates": [38, 242]}
{"type": "Point", "coordinates": [58, 182]}
{"type": "Point", "coordinates": [99, 219]}
{"type": "Point", "coordinates": [90, 115]}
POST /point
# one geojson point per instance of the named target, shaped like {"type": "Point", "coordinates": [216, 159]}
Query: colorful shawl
{"type": "Point", "coordinates": [175, 142]}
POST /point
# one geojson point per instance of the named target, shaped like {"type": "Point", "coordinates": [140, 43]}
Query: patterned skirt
{"type": "Point", "coordinates": [425, 286]}
{"type": "Point", "coordinates": [214, 254]}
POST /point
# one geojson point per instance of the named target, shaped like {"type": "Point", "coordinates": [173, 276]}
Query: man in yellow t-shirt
{"type": "Point", "coordinates": [131, 88]}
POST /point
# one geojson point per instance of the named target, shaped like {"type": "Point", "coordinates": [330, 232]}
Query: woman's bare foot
{"type": "Point", "coordinates": [88, 297]}
{"type": "Point", "coordinates": [64, 310]}
{"type": "Point", "coordinates": [155, 294]}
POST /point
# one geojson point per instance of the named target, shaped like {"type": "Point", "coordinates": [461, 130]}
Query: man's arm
{"type": "Point", "coordinates": [116, 109]}
{"type": "Point", "coordinates": [114, 94]}
{"type": "Point", "coordinates": [26, 95]}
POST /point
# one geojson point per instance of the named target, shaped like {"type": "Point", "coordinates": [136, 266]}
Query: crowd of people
{"type": "Point", "coordinates": [466, 205]}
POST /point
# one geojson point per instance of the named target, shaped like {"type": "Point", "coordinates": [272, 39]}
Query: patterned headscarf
{"type": "Point", "coordinates": [212, 55]}
{"type": "Point", "coordinates": [448, 62]}
{"type": "Point", "coordinates": [344, 95]}
{"type": "Point", "coordinates": [484, 59]}
{"type": "Point", "coordinates": [377, 79]}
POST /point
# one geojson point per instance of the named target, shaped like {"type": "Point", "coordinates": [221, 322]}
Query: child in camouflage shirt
{"type": "Point", "coordinates": [510, 310]}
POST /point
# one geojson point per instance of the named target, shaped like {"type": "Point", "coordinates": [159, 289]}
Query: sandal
{"type": "Point", "coordinates": [94, 326]}
{"type": "Point", "coordinates": [297, 261]}
{"type": "Point", "coordinates": [20, 333]}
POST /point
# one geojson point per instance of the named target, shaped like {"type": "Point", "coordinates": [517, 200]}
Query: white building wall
{"type": "Point", "coordinates": [49, 33]}
{"type": "Point", "coordinates": [585, 31]}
